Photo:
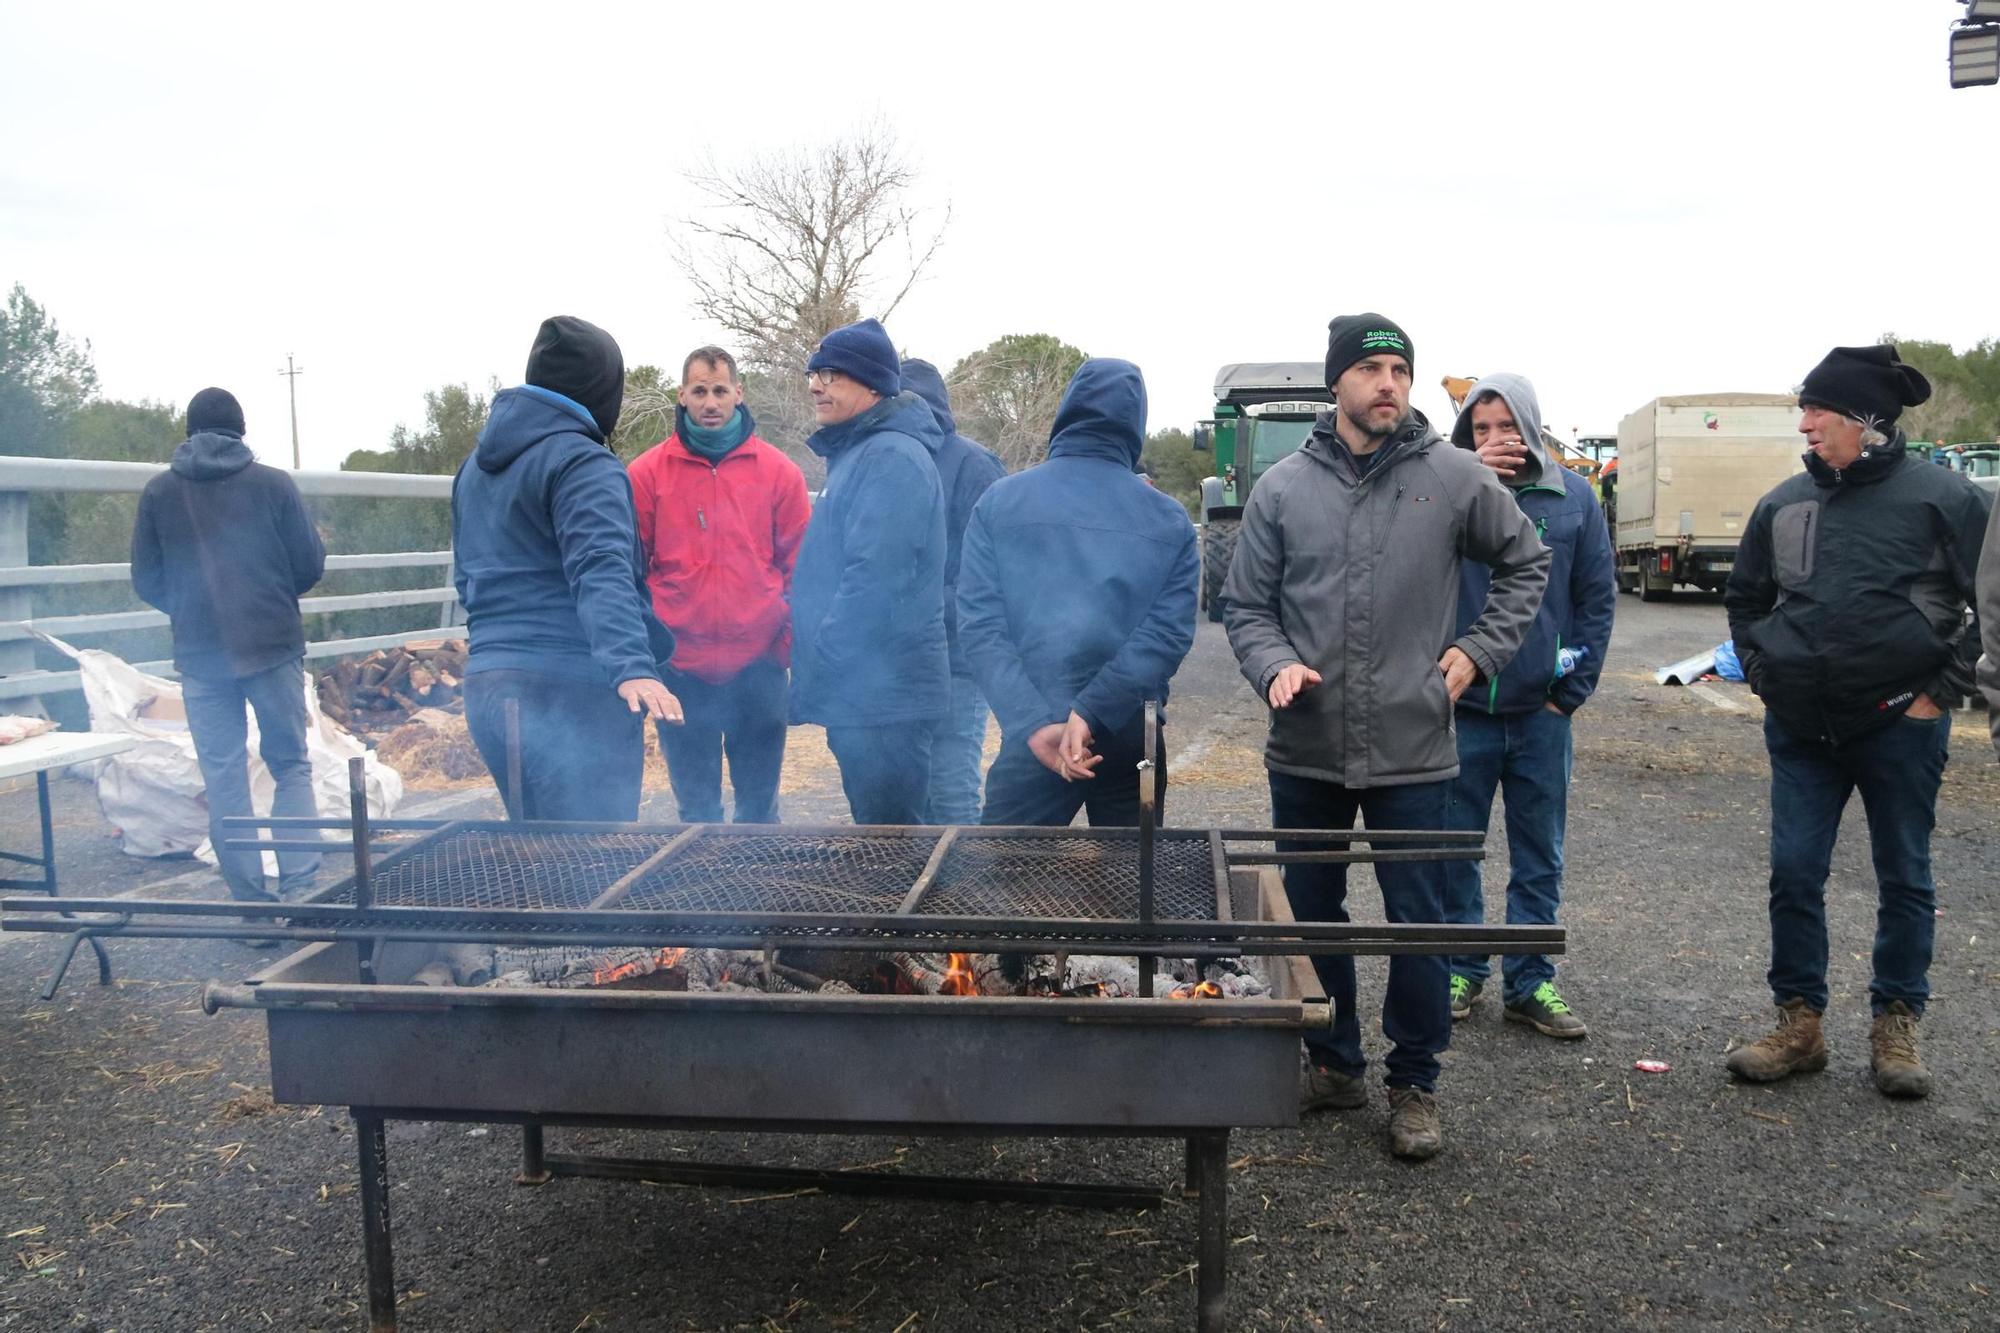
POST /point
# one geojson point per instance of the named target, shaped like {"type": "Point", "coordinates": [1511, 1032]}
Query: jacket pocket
{"type": "Point", "coordinates": [1795, 543]}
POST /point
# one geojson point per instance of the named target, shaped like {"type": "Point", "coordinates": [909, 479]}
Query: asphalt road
{"type": "Point", "coordinates": [146, 1183]}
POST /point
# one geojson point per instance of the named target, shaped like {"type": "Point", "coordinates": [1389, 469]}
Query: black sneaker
{"type": "Point", "coordinates": [1547, 1013]}
{"type": "Point", "coordinates": [1323, 1089]}
{"type": "Point", "coordinates": [1465, 993]}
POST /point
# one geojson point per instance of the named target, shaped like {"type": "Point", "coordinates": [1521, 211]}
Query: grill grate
{"type": "Point", "coordinates": [861, 876]}
{"type": "Point", "coordinates": [490, 868]}
{"type": "Point", "coordinates": [1071, 878]}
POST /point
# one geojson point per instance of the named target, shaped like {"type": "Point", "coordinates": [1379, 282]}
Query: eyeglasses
{"type": "Point", "coordinates": [822, 379]}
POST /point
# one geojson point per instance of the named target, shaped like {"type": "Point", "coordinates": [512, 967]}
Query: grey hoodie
{"type": "Point", "coordinates": [1357, 578]}
{"type": "Point", "coordinates": [1519, 396]}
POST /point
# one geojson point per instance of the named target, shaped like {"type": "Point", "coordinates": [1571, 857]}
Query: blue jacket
{"type": "Point", "coordinates": [1077, 589]}
{"type": "Point", "coordinates": [965, 469]}
{"type": "Point", "coordinates": [1582, 591]}
{"type": "Point", "coordinates": [868, 644]}
{"type": "Point", "coordinates": [545, 548]}
{"type": "Point", "coordinates": [224, 546]}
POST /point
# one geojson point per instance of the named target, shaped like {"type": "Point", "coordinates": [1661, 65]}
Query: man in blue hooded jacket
{"type": "Point", "coordinates": [965, 469]}
{"type": "Point", "coordinates": [547, 561]}
{"type": "Point", "coordinates": [1076, 604]}
{"type": "Point", "coordinates": [1514, 730]}
{"type": "Point", "coordinates": [868, 646]}
{"type": "Point", "coordinates": [224, 546]}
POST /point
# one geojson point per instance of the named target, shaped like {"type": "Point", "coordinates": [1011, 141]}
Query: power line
{"type": "Point", "coordinates": [291, 374]}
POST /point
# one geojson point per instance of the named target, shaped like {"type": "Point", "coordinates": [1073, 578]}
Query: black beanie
{"type": "Point", "coordinates": [215, 409]}
{"type": "Point", "coordinates": [1351, 338]}
{"type": "Point", "coordinates": [580, 361]}
{"type": "Point", "coordinates": [861, 351]}
{"type": "Point", "coordinates": [1869, 384]}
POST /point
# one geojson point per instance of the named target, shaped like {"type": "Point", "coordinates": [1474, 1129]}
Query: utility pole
{"type": "Point", "coordinates": [291, 374]}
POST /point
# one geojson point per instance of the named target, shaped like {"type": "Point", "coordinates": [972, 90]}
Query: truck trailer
{"type": "Point", "coordinates": [1690, 470]}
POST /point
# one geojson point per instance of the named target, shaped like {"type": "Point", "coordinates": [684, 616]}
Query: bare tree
{"type": "Point", "coordinates": [1006, 394]}
{"type": "Point", "coordinates": [1944, 414]}
{"type": "Point", "coordinates": [789, 246]}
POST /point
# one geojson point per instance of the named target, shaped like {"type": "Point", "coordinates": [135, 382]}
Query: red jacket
{"type": "Point", "coordinates": [721, 541]}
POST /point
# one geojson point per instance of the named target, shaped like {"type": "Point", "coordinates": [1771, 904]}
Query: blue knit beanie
{"type": "Point", "coordinates": [862, 351]}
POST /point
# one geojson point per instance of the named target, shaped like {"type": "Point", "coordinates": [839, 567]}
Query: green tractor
{"type": "Point", "coordinates": [1263, 411]}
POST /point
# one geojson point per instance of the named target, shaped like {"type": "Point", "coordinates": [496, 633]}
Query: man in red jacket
{"type": "Point", "coordinates": [721, 514]}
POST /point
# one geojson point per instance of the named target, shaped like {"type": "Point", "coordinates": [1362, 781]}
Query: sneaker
{"type": "Point", "coordinates": [1892, 1042]}
{"type": "Point", "coordinates": [1415, 1132]}
{"type": "Point", "coordinates": [1795, 1046]}
{"type": "Point", "coordinates": [1548, 1013]}
{"type": "Point", "coordinates": [1323, 1089]}
{"type": "Point", "coordinates": [1465, 993]}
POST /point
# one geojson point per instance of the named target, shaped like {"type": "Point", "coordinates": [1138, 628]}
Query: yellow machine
{"type": "Point", "coordinates": [1577, 462]}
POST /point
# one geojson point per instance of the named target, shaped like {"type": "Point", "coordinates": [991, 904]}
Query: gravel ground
{"type": "Point", "coordinates": [147, 1182]}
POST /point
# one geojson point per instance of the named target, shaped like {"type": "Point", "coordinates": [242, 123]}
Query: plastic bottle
{"type": "Point", "coordinates": [1568, 660]}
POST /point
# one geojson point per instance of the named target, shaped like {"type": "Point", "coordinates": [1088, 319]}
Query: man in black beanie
{"type": "Point", "coordinates": [1342, 608]}
{"type": "Point", "coordinates": [1847, 606]}
{"type": "Point", "coordinates": [548, 565]}
{"type": "Point", "coordinates": [223, 545]}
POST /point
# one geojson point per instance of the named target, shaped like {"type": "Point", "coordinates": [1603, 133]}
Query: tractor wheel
{"type": "Point", "coordinates": [1218, 547]}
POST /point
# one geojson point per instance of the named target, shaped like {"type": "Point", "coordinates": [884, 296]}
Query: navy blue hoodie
{"type": "Point", "coordinates": [545, 548]}
{"type": "Point", "coordinates": [1077, 589]}
{"type": "Point", "coordinates": [1582, 594]}
{"type": "Point", "coordinates": [965, 469]}
{"type": "Point", "coordinates": [868, 643]}
{"type": "Point", "coordinates": [223, 545]}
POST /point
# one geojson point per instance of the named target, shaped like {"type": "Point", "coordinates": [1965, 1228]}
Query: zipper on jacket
{"type": "Point", "coordinates": [701, 518]}
{"type": "Point", "coordinates": [1395, 507]}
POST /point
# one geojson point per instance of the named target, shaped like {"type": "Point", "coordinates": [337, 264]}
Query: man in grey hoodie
{"type": "Point", "coordinates": [223, 545]}
{"type": "Point", "coordinates": [1340, 604]}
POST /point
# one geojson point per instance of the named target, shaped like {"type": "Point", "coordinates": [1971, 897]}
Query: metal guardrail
{"type": "Point", "coordinates": [22, 477]}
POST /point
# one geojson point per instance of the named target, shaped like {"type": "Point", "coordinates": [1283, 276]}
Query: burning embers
{"type": "Point", "coordinates": [833, 972]}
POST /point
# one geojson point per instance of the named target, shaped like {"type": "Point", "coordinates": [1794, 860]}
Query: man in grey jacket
{"type": "Point", "coordinates": [1341, 604]}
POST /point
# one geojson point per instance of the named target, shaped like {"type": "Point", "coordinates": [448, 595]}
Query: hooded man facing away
{"type": "Point", "coordinates": [868, 647]}
{"type": "Point", "coordinates": [223, 545]}
{"type": "Point", "coordinates": [1342, 605]}
{"type": "Point", "coordinates": [546, 558]}
{"type": "Point", "coordinates": [1076, 604]}
{"type": "Point", "coordinates": [1847, 605]}
{"type": "Point", "coordinates": [965, 469]}
{"type": "Point", "coordinates": [1514, 735]}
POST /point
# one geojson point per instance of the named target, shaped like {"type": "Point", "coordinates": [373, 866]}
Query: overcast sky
{"type": "Point", "coordinates": [1619, 201]}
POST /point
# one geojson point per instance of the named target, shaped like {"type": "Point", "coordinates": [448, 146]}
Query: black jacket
{"type": "Point", "coordinates": [965, 469]}
{"type": "Point", "coordinates": [1849, 593]}
{"type": "Point", "coordinates": [223, 545]}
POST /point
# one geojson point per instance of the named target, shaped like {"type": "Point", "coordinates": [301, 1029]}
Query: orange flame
{"type": "Point", "coordinates": [958, 978]}
{"type": "Point", "coordinates": [605, 976]}
{"type": "Point", "coordinates": [1206, 990]}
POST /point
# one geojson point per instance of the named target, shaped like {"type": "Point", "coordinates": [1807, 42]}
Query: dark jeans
{"type": "Point", "coordinates": [1897, 769]}
{"type": "Point", "coordinates": [1416, 1011]}
{"type": "Point", "coordinates": [959, 742]}
{"type": "Point", "coordinates": [1527, 756]}
{"type": "Point", "coordinates": [583, 751]}
{"type": "Point", "coordinates": [1020, 789]}
{"type": "Point", "coordinates": [221, 732]}
{"type": "Point", "coordinates": [744, 718]}
{"type": "Point", "coordinates": [885, 770]}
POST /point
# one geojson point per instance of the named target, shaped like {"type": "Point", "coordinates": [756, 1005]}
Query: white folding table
{"type": "Point", "coordinates": [40, 755]}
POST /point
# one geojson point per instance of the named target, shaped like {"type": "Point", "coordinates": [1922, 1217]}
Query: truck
{"type": "Point", "coordinates": [1690, 471]}
{"type": "Point", "coordinates": [1264, 410]}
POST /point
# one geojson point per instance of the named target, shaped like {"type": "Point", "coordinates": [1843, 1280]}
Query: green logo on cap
{"type": "Point", "coordinates": [1383, 340]}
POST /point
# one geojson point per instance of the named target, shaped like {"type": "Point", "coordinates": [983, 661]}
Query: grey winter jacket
{"type": "Point", "coordinates": [1357, 578]}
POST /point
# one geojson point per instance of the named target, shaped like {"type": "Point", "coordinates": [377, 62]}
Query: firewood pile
{"type": "Point", "coordinates": [390, 683]}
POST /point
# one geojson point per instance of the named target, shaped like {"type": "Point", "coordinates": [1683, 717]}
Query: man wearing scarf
{"type": "Point", "coordinates": [721, 515]}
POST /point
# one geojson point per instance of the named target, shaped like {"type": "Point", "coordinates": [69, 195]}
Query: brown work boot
{"type": "Point", "coordinates": [1892, 1044]}
{"type": "Point", "coordinates": [1415, 1131]}
{"type": "Point", "coordinates": [1793, 1047]}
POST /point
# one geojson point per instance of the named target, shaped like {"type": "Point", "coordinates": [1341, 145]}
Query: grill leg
{"type": "Point", "coordinates": [1210, 1154]}
{"type": "Point", "coordinates": [534, 1170]}
{"type": "Point", "coordinates": [375, 1222]}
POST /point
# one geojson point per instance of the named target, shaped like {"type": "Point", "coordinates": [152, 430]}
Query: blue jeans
{"type": "Point", "coordinates": [583, 751]}
{"type": "Point", "coordinates": [955, 754]}
{"type": "Point", "coordinates": [221, 732]}
{"type": "Point", "coordinates": [885, 770]}
{"type": "Point", "coordinates": [1527, 756]}
{"type": "Point", "coordinates": [1416, 1011]}
{"type": "Point", "coordinates": [1897, 769]}
{"type": "Point", "coordinates": [743, 717]}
